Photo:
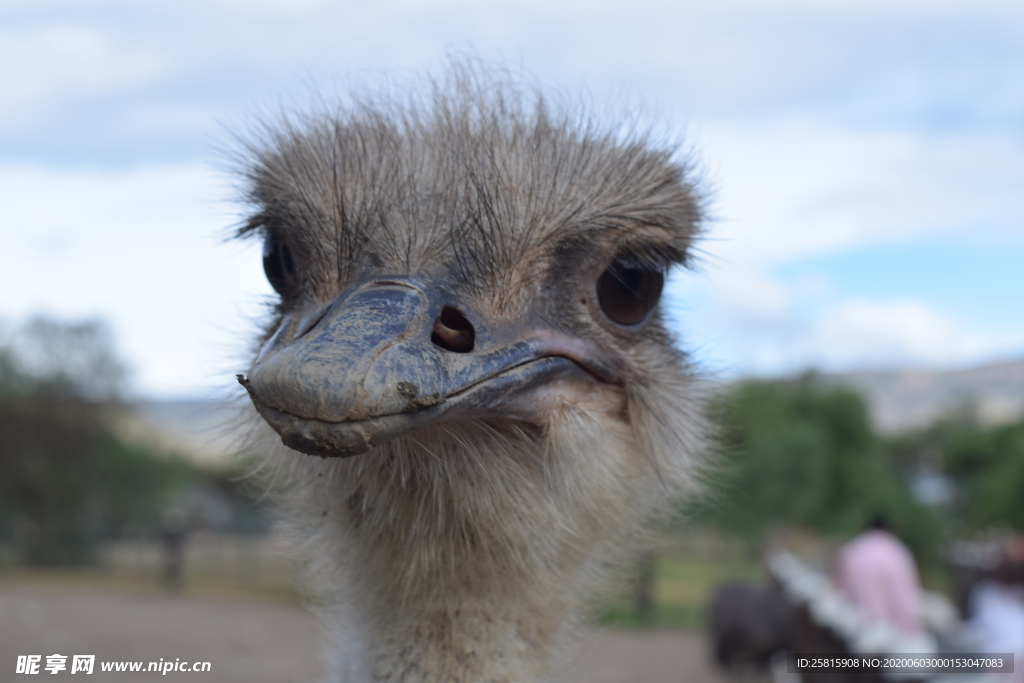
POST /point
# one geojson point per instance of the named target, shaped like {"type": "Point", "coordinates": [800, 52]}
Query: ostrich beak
{"type": "Point", "coordinates": [391, 356]}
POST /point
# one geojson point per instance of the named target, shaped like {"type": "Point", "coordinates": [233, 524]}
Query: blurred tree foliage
{"type": "Point", "coordinates": [799, 454]}
{"type": "Point", "coordinates": [66, 480]}
{"type": "Point", "coordinates": [985, 465]}
{"type": "Point", "coordinates": [61, 358]}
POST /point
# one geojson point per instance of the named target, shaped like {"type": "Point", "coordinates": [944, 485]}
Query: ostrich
{"type": "Point", "coordinates": [469, 342]}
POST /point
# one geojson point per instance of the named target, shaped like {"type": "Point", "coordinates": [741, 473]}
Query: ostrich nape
{"type": "Point", "coordinates": [469, 338]}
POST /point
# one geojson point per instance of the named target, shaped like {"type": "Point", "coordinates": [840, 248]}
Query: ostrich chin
{"type": "Point", "coordinates": [469, 336]}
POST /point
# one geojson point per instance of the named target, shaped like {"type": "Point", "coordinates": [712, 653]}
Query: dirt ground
{"type": "Point", "coordinates": [262, 642]}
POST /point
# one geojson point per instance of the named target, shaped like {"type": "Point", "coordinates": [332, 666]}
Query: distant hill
{"type": "Point", "coordinates": [910, 399]}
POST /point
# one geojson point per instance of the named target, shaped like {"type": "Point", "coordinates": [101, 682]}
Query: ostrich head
{"type": "Point", "coordinates": [475, 403]}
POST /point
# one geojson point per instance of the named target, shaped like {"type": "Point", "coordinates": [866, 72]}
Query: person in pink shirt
{"type": "Point", "coordinates": [878, 574]}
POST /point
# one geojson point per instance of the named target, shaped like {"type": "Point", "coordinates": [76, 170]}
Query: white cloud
{"type": "Point", "coordinates": [141, 249]}
{"type": "Point", "coordinates": [789, 190]}
{"type": "Point", "coordinates": [755, 324]}
{"type": "Point", "coordinates": [752, 295]}
{"type": "Point", "coordinates": [861, 333]}
{"type": "Point", "coordinates": [56, 61]}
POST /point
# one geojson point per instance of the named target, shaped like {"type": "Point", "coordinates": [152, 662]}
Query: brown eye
{"type": "Point", "coordinates": [278, 264]}
{"type": "Point", "coordinates": [628, 294]}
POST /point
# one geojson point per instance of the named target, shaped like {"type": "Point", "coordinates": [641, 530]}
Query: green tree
{"type": "Point", "coordinates": [66, 479]}
{"type": "Point", "coordinates": [986, 465]}
{"type": "Point", "coordinates": [799, 454]}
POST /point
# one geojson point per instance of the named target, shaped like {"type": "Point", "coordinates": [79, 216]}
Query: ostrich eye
{"type": "Point", "coordinates": [278, 264]}
{"type": "Point", "coordinates": [628, 294]}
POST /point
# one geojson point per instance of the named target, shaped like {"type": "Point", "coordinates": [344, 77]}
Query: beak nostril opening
{"type": "Point", "coordinates": [453, 332]}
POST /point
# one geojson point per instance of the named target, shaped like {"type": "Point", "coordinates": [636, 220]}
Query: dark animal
{"type": "Point", "coordinates": [748, 625]}
{"type": "Point", "coordinates": [475, 401]}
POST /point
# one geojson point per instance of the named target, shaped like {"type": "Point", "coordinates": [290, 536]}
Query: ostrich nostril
{"type": "Point", "coordinates": [453, 332]}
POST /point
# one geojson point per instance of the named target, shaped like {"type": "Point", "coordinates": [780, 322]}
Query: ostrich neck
{"type": "Point", "coordinates": [503, 627]}
{"type": "Point", "coordinates": [467, 641]}
{"type": "Point", "coordinates": [467, 559]}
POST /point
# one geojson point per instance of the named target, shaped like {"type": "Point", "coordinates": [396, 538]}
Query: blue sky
{"type": "Point", "coordinates": [866, 161]}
